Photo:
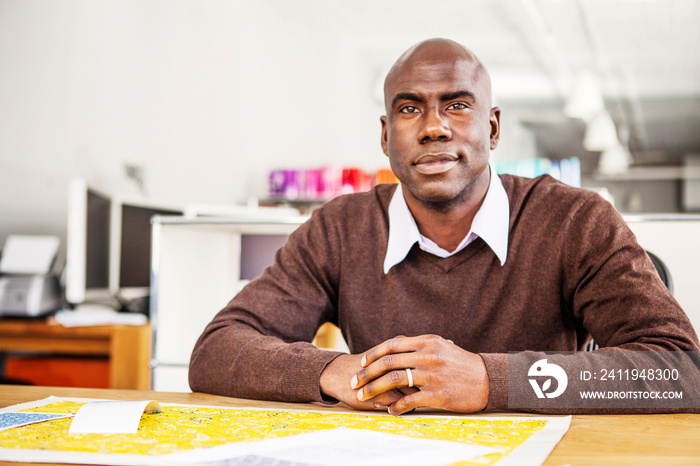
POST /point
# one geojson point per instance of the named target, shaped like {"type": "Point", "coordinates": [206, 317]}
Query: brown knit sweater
{"type": "Point", "coordinates": [574, 270]}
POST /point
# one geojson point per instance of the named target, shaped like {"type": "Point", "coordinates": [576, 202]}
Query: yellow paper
{"type": "Point", "coordinates": [182, 428]}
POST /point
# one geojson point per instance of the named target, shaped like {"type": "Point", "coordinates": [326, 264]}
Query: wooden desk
{"type": "Point", "coordinates": [668, 439]}
{"type": "Point", "coordinates": [128, 347]}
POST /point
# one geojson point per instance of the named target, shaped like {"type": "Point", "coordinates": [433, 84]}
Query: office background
{"type": "Point", "coordinates": [195, 101]}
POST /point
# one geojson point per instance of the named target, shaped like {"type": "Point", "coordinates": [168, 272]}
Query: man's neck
{"type": "Point", "coordinates": [447, 223]}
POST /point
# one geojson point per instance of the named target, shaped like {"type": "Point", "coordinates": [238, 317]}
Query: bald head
{"type": "Point", "coordinates": [436, 51]}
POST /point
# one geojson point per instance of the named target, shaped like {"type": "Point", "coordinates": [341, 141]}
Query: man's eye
{"type": "Point", "coordinates": [408, 109]}
{"type": "Point", "coordinates": [457, 106]}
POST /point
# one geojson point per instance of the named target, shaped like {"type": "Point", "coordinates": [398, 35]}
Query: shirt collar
{"type": "Point", "coordinates": [490, 223]}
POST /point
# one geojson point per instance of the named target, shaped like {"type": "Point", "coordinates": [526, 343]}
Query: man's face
{"type": "Point", "coordinates": [439, 126]}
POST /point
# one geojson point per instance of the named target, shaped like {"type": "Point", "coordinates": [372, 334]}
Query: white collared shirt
{"type": "Point", "coordinates": [490, 223]}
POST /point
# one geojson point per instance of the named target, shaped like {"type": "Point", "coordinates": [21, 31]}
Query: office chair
{"type": "Point", "coordinates": [662, 270]}
{"type": "Point", "coordinates": [665, 276]}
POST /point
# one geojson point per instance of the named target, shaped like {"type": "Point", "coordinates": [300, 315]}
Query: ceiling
{"type": "Point", "coordinates": [646, 53]}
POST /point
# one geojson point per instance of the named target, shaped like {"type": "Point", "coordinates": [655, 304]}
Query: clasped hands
{"type": "Point", "coordinates": [444, 377]}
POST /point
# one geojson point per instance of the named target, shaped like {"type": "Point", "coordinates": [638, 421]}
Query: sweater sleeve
{"type": "Point", "coordinates": [259, 345]}
{"type": "Point", "coordinates": [612, 290]}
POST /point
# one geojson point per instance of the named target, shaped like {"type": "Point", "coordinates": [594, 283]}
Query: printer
{"type": "Point", "coordinates": [28, 288]}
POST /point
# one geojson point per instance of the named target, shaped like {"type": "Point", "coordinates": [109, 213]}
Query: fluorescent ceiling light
{"type": "Point", "coordinates": [614, 160]}
{"type": "Point", "coordinates": [600, 133]}
{"type": "Point", "coordinates": [587, 99]}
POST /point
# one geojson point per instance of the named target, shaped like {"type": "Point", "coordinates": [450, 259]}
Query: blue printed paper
{"type": "Point", "coordinates": [12, 420]}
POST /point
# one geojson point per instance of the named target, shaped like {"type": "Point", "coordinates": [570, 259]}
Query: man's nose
{"type": "Point", "coordinates": [435, 128]}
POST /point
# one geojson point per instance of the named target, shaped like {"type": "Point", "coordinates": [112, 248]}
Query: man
{"type": "Point", "coordinates": [434, 281]}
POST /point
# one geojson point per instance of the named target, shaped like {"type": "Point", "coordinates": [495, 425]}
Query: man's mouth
{"type": "Point", "coordinates": [434, 164]}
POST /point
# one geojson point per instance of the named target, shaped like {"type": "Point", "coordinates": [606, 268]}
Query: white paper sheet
{"type": "Point", "coordinates": [342, 447]}
{"type": "Point", "coordinates": [538, 447]}
{"type": "Point", "coordinates": [29, 254]}
{"type": "Point", "coordinates": [98, 316]}
{"type": "Point", "coordinates": [111, 417]}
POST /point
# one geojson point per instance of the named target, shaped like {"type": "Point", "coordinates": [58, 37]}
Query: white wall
{"type": "Point", "coordinates": [205, 95]}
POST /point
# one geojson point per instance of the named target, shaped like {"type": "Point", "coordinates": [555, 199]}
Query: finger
{"type": "Point", "coordinates": [386, 399]}
{"type": "Point", "coordinates": [383, 366]}
{"type": "Point", "coordinates": [390, 381]}
{"type": "Point", "coordinates": [407, 390]}
{"type": "Point", "coordinates": [408, 403]}
{"type": "Point", "coordinates": [399, 344]}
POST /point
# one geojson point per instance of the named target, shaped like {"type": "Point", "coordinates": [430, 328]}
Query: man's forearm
{"type": "Point", "coordinates": [240, 362]}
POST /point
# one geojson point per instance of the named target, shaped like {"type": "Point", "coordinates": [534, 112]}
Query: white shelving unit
{"type": "Point", "coordinates": [196, 268]}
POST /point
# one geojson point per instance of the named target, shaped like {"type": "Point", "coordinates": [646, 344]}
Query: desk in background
{"type": "Point", "coordinates": [127, 347]}
{"type": "Point", "coordinates": [669, 439]}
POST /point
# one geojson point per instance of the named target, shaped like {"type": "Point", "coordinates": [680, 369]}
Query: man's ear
{"type": "Point", "coordinates": [495, 122]}
{"type": "Point", "coordinates": [384, 135]}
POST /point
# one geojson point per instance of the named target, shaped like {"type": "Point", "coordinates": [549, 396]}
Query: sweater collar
{"type": "Point", "coordinates": [491, 224]}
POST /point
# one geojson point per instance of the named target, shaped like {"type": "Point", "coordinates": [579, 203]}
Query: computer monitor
{"type": "Point", "coordinates": [130, 275]}
{"type": "Point", "coordinates": [258, 252]}
{"type": "Point", "coordinates": [87, 245]}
